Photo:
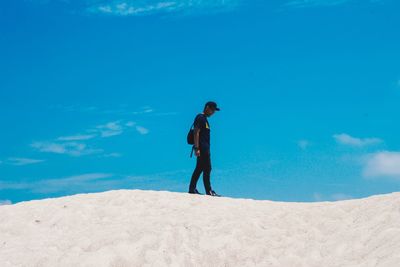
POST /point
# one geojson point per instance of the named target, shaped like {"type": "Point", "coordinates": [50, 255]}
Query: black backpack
{"type": "Point", "coordinates": [190, 137]}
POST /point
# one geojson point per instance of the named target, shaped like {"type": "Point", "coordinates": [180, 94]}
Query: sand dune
{"type": "Point", "coordinates": [123, 228]}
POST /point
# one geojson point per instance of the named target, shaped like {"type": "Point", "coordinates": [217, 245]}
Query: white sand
{"type": "Point", "coordinates": [157, 228]}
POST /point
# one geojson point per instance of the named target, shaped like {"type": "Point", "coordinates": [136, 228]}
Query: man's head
{"type": "Point", "coordinates": [210, 108]}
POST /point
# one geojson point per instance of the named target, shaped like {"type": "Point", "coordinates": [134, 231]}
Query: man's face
{"type": "Point", "coordinates": [210, 111]}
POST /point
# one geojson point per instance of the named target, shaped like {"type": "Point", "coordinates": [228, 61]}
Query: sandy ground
{"type": "Point", "coordinates": [123, 228]}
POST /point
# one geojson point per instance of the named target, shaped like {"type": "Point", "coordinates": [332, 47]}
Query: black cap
{"type": "Point", "coordinates": [212, 105]}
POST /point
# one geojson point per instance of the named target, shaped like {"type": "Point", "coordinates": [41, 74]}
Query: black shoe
{"type": "Point", "coordinates": [195, 192]}
{"type": "Point", "coordinates": [212, 193]}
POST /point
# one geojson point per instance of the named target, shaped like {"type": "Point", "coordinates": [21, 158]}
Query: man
{"type": "Point", "coordinates": [202, 149]}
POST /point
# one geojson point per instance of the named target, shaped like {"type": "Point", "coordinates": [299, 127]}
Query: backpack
{"type": "Point", "coordinates": [190, 137]}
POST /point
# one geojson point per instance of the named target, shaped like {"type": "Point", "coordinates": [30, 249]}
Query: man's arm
{"type": "Point", "coordinates": [196, 141]}
{"type": "Point", "coordinates": [196, 137]}
{"type": "Point", "coordinates": [200, 123]}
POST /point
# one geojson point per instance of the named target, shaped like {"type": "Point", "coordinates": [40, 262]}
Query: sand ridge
{"type": "Point", "coordinates": [124, 228]}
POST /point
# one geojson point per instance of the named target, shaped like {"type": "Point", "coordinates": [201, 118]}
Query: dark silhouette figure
{"type": "Point", "coordinates": [202, 149]}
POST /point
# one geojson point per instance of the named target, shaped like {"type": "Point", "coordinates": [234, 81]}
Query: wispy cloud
{"type": "Point", "coordinates": [143, 110]}
{"type": "Point", "coordinates": [13, 185]}
{"type": "Point", "coordinates": [130, 124]}
{"type": "Point", "coordinates": [70, 148]}
{"type": "Point", "coordinates": [382, 164]}
{"type": "Point", "coordinates": [124, 8]}
{"type": "Point", "coordinates": [112, 155]}
{"type": "Point", "coordinates": [23, 161]}
{"type": "Point", "coordinates": [323, 3]}
{"type": "Point", "coordinates": [78, 137]}
{"type": "Point", "coordinates": [142, 130]}
{"type": "Point", "coordinates": [110, 129]}
{"type": "Point", "coordinates": [57, 185]}
{"type": "Point", "coordinates": [73, 145]}
{"type": "Point", "coordinates": [148, 7]}
{"type": "Point", "coordinates": [64, 184]}
{"type": "Point", "coordinates": [124, 110]}
{"type": "Point", "coordinates": [92, 182]}
{"type": "Point", "coordinates": [5, 202]}
{"type": "Point", "coordinates": [346, 139]}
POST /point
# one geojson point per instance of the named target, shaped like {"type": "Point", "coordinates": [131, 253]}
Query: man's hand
{"type": "Point", "coordinates": [197, 152]}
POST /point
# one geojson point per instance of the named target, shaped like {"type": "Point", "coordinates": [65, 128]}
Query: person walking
{"type": "Point", "coordinates": [201, 148]}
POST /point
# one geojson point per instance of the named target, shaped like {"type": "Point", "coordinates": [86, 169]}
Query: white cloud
{"type": "Point", "coordinates": [95, 182]}
{"type": "Point", "coordinates": [303, 144]}
{"type": "Point", "coordinates": [50, 147]}
{"type": "Point", "coordinates": [78, 183]}
{"type": "Point", "coordinates": [130, 124]}
{"type": "Point", "coordinates": [382, 164]}
{"type": "Point", "coordinates": [53, 185]}
{"type": "Point", "coordinates": [13, 185]}
{"type": "Point", "coordinates": [69, 148]}
{"type": "Point", "coordinates": [74, 183]}
{"type": "Point", "coordinates": [5, 202]}
{"type": "Point", "coordinates": [23, 161]}
{"type": "Point", "coordinates": [110, 129]}
{"type": "Point", "coordinates": [142, 130]}
{"type": "Point", "coordinates": [132, 8]}
{"type": "Point", "coordinates": [67, 145]}
{"type": "Point", "coordinates": [147, 7]}
{"type": "Point", "coordinates": [78, 137]}
{"type": "Point", "coordinates": [143, 110]}
{"type": "Point", "coordinates": [67, 183]}
{"type": "Point", "coordinates": [349, 140]}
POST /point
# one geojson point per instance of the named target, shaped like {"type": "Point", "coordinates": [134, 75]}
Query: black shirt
{"type": "Point", "coordinates": [201, 123]}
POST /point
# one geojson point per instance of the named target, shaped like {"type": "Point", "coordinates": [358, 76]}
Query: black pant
{"type": "Point", "coordinates": [203, 165]}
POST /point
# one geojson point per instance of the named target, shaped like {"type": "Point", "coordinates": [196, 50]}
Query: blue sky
{"type": "Point", "coordinates": [99, 95]}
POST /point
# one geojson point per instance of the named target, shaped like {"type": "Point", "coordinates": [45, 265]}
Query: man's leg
{"type": "Point", "coordinates": [206, 162]}
{"type": "Point", "coordinates": [196, 174]}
